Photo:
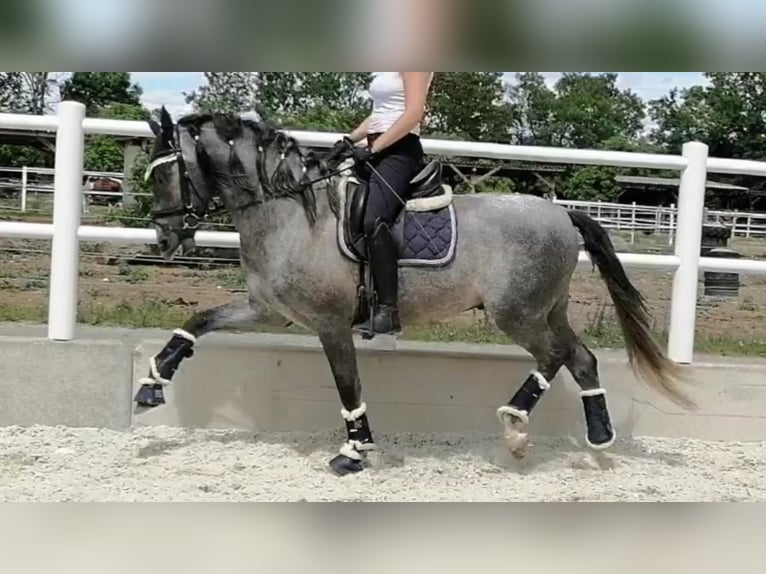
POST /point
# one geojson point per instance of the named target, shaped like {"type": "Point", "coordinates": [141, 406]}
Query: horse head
{"type": "Point", "coordinates": [242, 162]}
{"type": "Point", "coordinates": [180, 187]}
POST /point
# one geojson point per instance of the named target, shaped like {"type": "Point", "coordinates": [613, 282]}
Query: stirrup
{"type": "Point", "coordinates": [367, 328]}
{"type": "Point", "coordinates": [389, 314]}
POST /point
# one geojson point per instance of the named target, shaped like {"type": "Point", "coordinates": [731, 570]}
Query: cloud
{"type": "Point", "coordinates": [173, 100]}
{"type": "Point", "coordinates": [167, 89]}
{"type": "Point", "coordinates": [183, 80]}
{"type": "Point", "coordinates": [654, 85]}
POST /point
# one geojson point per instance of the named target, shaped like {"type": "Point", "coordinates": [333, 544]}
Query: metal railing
{"type": "Point", "coordinates": [66, 233]}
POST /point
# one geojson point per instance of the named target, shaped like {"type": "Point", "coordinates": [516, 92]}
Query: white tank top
{"type": "Point", "coordinates": [388, 101]}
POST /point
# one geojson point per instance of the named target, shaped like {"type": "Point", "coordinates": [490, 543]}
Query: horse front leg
{"type": "Point", "coordinates": [341, 354]}
{"type": "Point", "coordinates": [238, 316]}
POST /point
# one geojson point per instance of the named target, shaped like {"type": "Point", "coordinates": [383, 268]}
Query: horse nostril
{"type": "Point", "coordinates": [163, 244]}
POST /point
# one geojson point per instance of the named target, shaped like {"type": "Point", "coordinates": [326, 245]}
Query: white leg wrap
{"type": "Point", "coordinates": [355, 450]}
{"type": "Point", "coordinates": [186, 335]}
{"type": "Point", "coordinates": [504, 412]}
{"type": "Point", "coordinates": [545, 386]}
{"type": "Point", "coordinates": [354, 415]}
{"type": "Point", "coordinates": [155, 378]}
{"type": "Point", "coordinates": [593, 393]}
{"type": "Point", "coordinates": [349, 451]}
{"type": "Point", "coordinates": [523, 416]}
{"type": "Point", "coordinates": [605, 446]}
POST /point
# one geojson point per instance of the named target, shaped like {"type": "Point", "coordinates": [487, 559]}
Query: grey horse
{"type": "Point", "coordinates": [515, 258]}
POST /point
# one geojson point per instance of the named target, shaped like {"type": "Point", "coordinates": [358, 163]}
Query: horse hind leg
{"type": "Point", "coordinates": [554, 345]}
{"type": "Point", "coordinates": [583, 365]}
{"type": "Point", "coordinates": [550, 353]}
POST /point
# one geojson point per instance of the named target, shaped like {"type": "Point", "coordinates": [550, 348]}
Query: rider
{"type": "Point", "coordinates": [393, 149]}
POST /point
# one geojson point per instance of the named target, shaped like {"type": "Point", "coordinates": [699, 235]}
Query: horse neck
{"type": "Point", "coordinates": [277, 224]}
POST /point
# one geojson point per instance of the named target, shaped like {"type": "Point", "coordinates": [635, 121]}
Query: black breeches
{"type": "Point", "coordinates": [397, 165]}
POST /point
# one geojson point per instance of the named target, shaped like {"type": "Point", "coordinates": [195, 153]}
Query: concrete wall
{"type": "Point", "coordinates": [82, 384]}
{"type": "Point", "coordinates": [283, 383]}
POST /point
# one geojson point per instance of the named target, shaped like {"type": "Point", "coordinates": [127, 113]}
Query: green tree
{"type": "Point", "coordinates": [681, 116]}
{"type": "Point", "coordinates": [298, 100]}
{"type": "Point", "coordinates": [26, 92]}
{"type": "Point", "coordinates": [534, 105]}
{"type": "Point", "coordinates": [108, 95]}
{"type": "Point", "coordinates": [590, 183]}
{"type": "Point", "coordinates": [106, 153]}
{"type": "Point", "coordinates": [581, 110]}
{"type": "Point", "coordinates": [10, 92]}
{"type": "Point", "coordinates": [100, 89]}
{"type": "Point", "coordinates": [729, 115]}
{"type": "Point", "coordinates": [21, 156]}
{"type": "Point", "coordinates": [225, 92]}
{"type": "Point", "coordinates": [337, 101]}
{"type": "Point", "coordinates": [590, 109]}
{"type": "Point", "coordinates": [469, 105]}
{"type": "Point", "coordinates": [328, 101]}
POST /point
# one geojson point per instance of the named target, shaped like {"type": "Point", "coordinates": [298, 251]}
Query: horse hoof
{"type": "Point", "coordinates": [150, 396]}
{"type": "Point", "coordinates": [344, 466]}
{"type": "Point", "coordinates": [518, 444]}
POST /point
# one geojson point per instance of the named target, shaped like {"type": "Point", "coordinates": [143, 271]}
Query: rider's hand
{"type": "Point", "coordinates": [342, 149]}
{"type": "Point", "coordinates": [362, 155]}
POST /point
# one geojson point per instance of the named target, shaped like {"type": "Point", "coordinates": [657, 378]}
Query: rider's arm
{"type": "Point", "coordinates": [360, 132]}
{"type": "Point", "coordinates": [415, 94]}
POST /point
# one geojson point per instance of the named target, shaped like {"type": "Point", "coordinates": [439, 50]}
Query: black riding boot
{"type": "Point", "coordinates": [385, 272]}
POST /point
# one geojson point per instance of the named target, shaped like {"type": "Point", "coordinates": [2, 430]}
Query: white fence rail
{"type": "Point", "coordinates": [66, 233]}
{"type": "Point", "coordinates": [634, 218]}
{"type": "Point", "coordinates": [24, 185]}
{"type": "Point", "coordinates": [662, 220]}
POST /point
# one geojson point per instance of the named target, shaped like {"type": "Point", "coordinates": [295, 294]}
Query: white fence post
{"type": "Point", "coordinates": [24, 185]}
{"type": "Point", "coordinates": [691, 208]}
{"type": "Point", "coordinates": [633, 225]}
{"type": "Point", "coordinates": [672, 237]}
{"type": "Point", "coordinates": [65, 251]}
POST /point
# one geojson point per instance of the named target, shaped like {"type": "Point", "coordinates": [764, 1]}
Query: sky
{"type": "Point", "coordinates": [167, 88]}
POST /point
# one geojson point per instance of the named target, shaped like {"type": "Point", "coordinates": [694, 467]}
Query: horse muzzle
{"type": "Point", "coordinates": [169, 243]}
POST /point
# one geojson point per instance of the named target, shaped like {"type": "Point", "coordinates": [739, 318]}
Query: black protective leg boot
{"type": "Point", "coordinates": [385, 272]}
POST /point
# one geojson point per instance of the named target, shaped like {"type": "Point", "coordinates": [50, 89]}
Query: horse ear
{"type": "Point", "coordinates": [156, 128]}
{"type": "Point", "coordinates": [166, 120]}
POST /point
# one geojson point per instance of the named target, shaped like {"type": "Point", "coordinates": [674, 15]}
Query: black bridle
{"type": "Point", "coordinates": [193, 216]}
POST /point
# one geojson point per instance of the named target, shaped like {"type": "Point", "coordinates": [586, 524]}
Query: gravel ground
{"type": "Point", "coordinates": [79, 465]}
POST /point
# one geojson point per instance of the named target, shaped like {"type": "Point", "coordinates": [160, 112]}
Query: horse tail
{"type": "Point", "coordinates": [646, 357]}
